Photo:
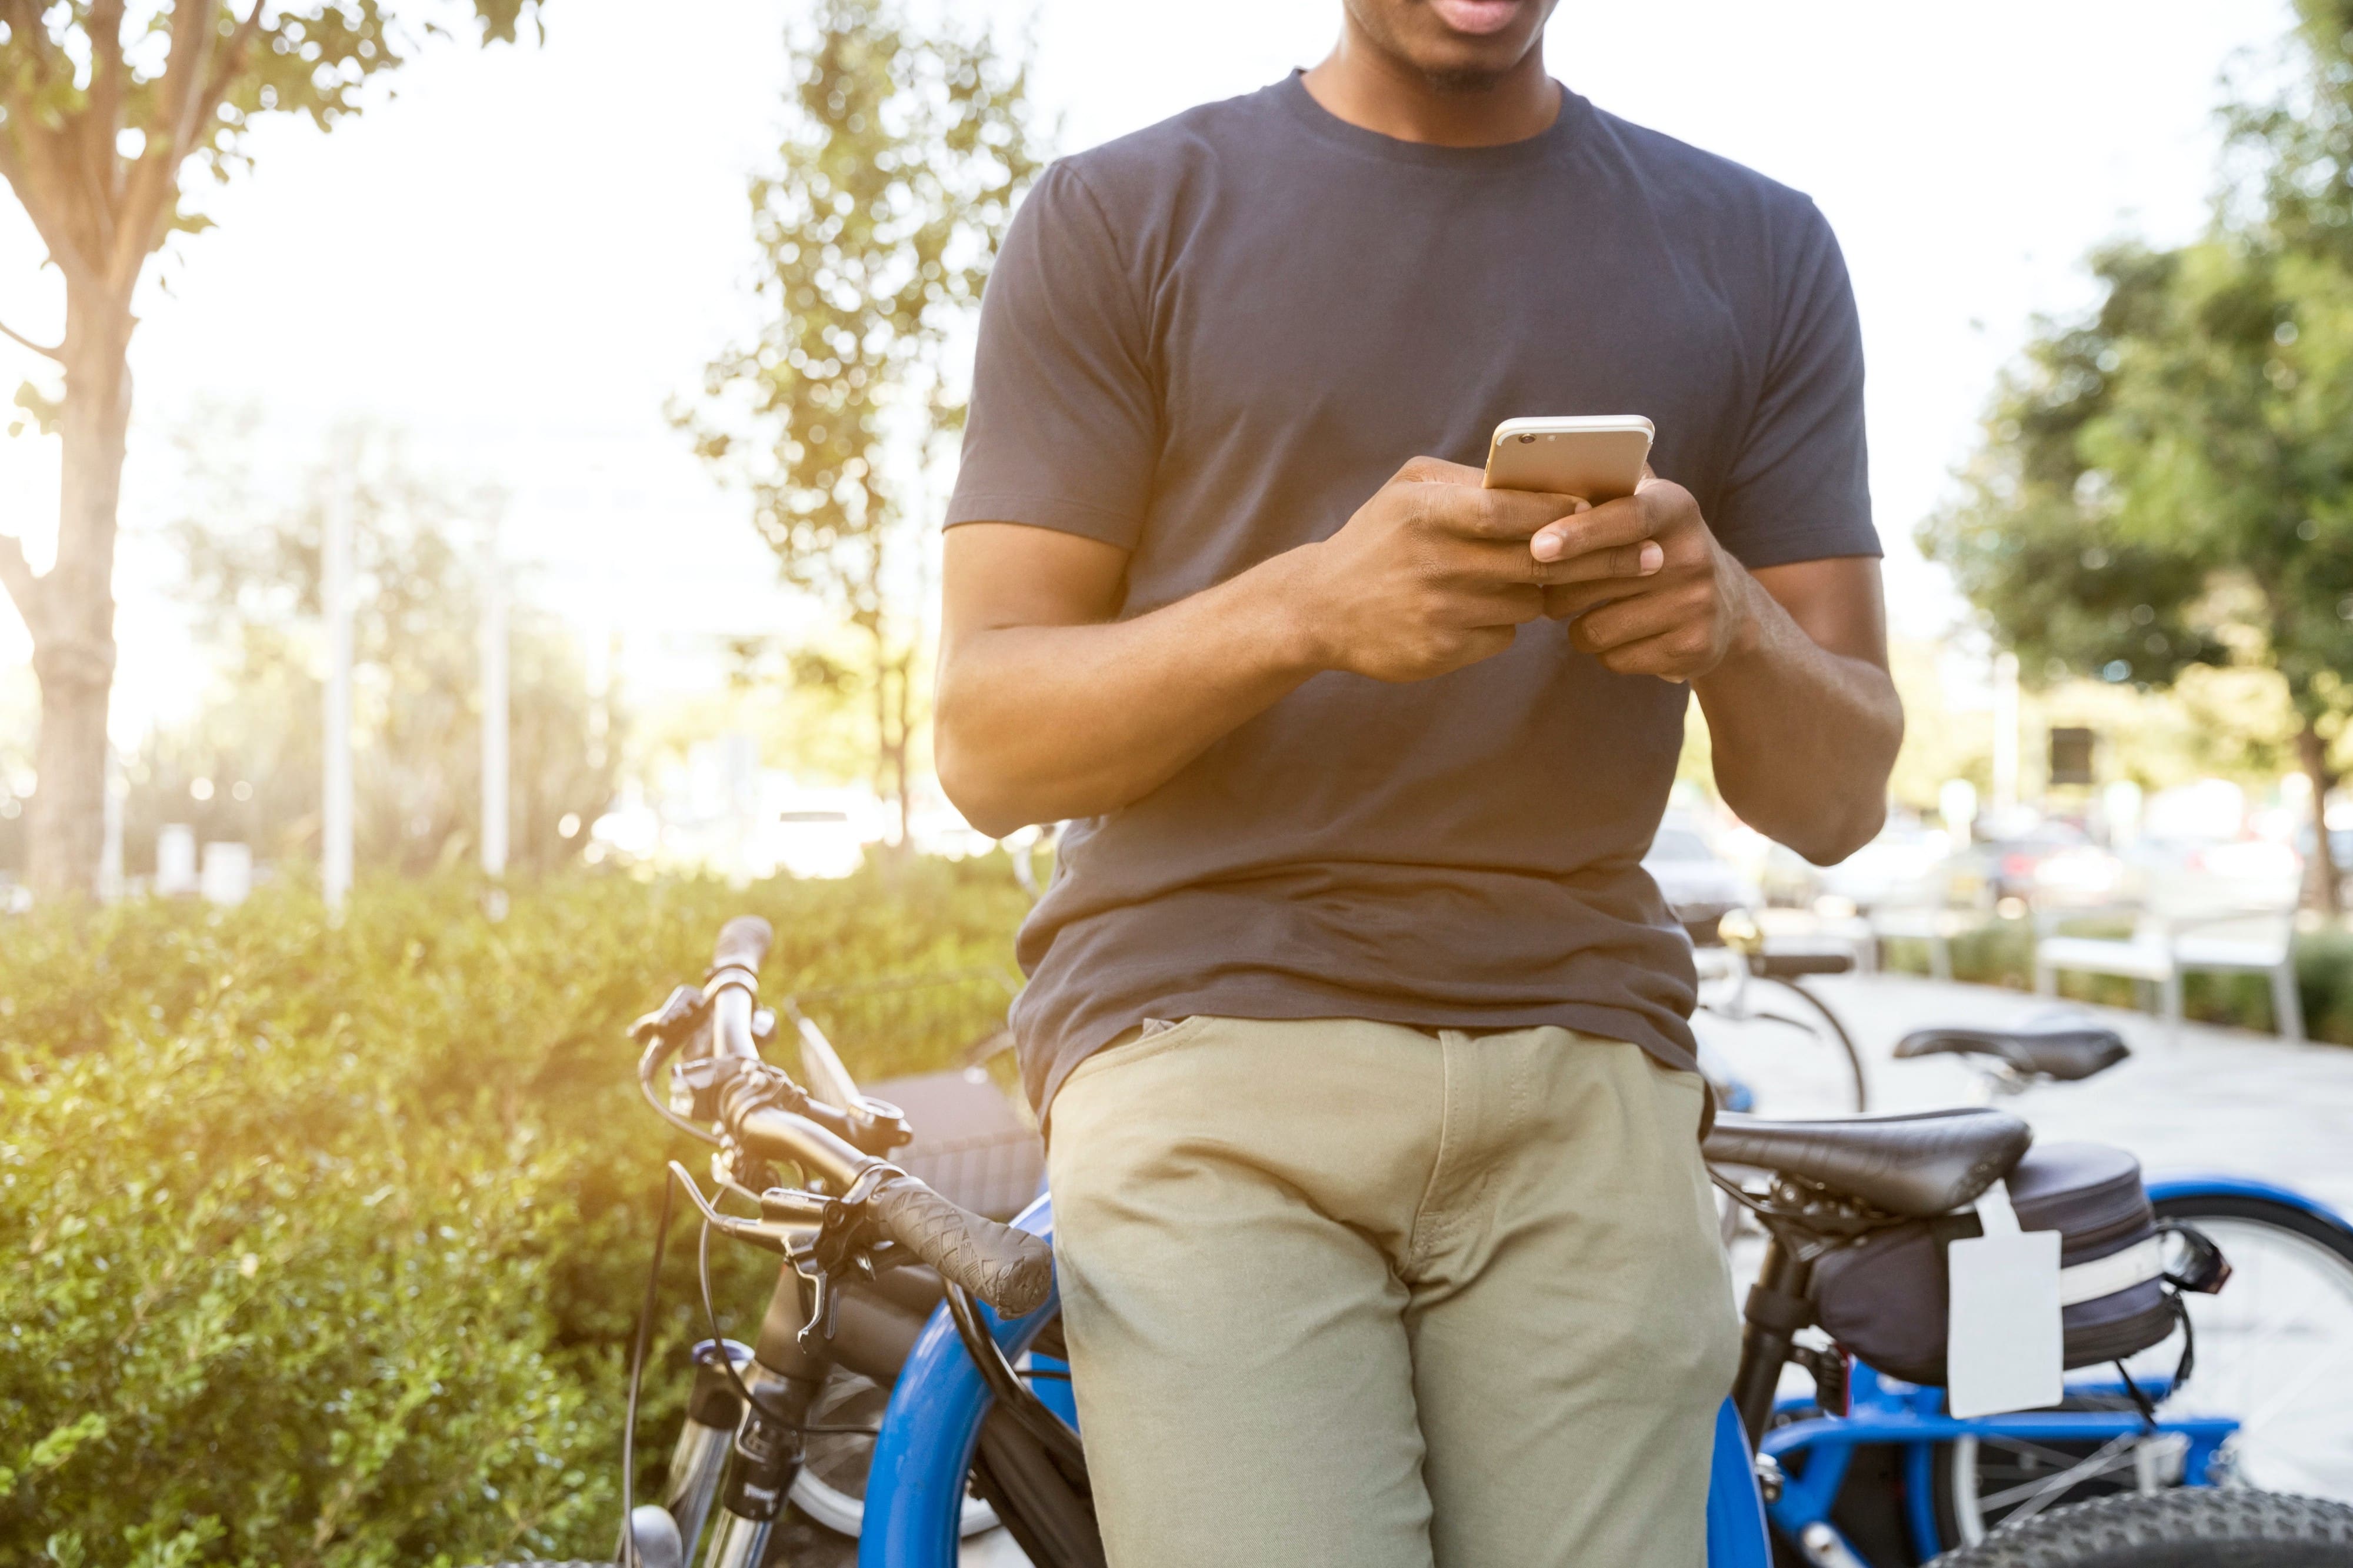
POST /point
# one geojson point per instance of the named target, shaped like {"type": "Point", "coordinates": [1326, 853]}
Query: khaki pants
{"type": "Point", "coordinates": [1351, 1293]}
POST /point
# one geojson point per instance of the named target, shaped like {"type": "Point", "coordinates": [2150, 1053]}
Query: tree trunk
{"type": "Point", "coordinates": [2322, 872]}
{"type": "Point", "coordinates": [71, 616]}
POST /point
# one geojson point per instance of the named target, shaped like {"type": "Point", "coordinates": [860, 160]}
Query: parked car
{"type": "Point", "coordinates": [2007, 867]}
{"type": "Point", "coordinates": [1888, 869]}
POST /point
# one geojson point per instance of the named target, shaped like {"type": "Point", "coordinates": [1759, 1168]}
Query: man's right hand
{"type": "Point", "coordinates": [1434, 573]}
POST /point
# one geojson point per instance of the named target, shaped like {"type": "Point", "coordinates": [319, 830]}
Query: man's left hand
{"type": "Point", "coordinates": [1678, 622]}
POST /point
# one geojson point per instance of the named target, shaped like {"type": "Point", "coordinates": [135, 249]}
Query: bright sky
{"type": "Point", "coordinates": [523, 256]}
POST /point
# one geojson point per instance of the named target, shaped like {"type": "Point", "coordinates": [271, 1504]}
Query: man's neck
{"type": "Point", "coordinates": [1365, 85]}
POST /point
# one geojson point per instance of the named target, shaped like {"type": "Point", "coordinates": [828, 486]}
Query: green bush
{"type": "Point", "coordinates": [2002, 953]}
{"type": "Point", "coordinates": [328, 1239]}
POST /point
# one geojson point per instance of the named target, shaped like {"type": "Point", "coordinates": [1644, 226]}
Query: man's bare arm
{"type": "Point", "coordinates": [1049, 708]}
{"type": "Point", "coordinates": [1801, 715]}
{"type": "Point", "coordinates": [1789, 663]}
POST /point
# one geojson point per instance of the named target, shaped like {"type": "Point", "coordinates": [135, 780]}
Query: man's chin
{"type": "Point", "coordinates": [1476, 42]}
{"type": "Point", "coordinates": [1478, 18]}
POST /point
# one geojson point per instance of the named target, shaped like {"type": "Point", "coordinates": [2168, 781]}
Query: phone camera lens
{"type": "Point", "coordinates": [1526, 439]}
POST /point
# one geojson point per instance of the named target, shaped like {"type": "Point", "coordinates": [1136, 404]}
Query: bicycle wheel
{"type": "Point", "coordinates": [831, 1486]}
{"type": "Point", "coordinates": [2276, 1346]}
{"type": "Point", "coordinates": [1785, 1049]}
{"type": "Point", "coordinates": [2274, 1353]}
{"type": "Point", "coordinates": [2196, 1527]}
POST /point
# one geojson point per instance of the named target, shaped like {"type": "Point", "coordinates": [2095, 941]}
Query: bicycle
{"type": "Point", "coordinates": [2276, 1349]}
{"type": "Point", "coordinates": [958, 1315]}
{"type": "Point", "coordinates": [2283, 1406]}
{"type": "Point", "coordinates": [1744, 982]}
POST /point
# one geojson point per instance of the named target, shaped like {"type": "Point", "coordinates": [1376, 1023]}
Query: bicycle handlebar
{"type": "Point", "coordinates": [1010, 1270]}
{"type": "Point", "coordinates": [744, 943]}
{"type": "Point", "coordinates": [743, 946]}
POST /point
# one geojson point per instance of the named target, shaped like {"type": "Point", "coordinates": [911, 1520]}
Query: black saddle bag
{"type": "Point", "coordinates": [1883, 1296]}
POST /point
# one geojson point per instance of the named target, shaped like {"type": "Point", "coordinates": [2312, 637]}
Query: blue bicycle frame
{"type": "Point", "coordinates": [1881, 1410]}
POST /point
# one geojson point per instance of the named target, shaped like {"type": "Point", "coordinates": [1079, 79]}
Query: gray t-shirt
{"type": "Point", "coordinates": [1209, 342]}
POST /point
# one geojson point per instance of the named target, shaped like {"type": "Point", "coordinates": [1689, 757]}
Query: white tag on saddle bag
{"type": "Point", "coordinates": [2005, 1342]}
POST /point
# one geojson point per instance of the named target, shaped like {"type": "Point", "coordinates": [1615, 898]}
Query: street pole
{"type": "Point", "coordinates": [494, 713]}
{"type": "Point", "coordinates": [335, 811]}
{"type": "Point", "coordinates": [2005, 733]}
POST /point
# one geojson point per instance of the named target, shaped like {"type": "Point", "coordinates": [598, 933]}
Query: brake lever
{"type": "Point", "coordinates": [843, 1243]}
{"type": "Point", "coordinates": [683, 1007]}
{"type": "Point", "coordinates": [760, 1233]}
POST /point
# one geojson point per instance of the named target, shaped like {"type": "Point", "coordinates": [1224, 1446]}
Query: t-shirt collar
{"type": "Point", "coordinates": [1326, 126]}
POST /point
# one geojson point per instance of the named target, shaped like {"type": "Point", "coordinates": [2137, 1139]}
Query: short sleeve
{"type": "Point", "coordinates": [1799, 486]}
{"type": "Point", "coordinates": [1063, 428]}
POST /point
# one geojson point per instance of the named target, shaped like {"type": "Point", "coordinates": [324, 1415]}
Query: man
{"type": "Point", "coordinates": [1361, 1035]}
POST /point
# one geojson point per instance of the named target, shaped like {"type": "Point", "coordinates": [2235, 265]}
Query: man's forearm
{"type": "Point", "coordinates": [1037, 724]}
{"type": "Point", "coordinates": [1803, 738]}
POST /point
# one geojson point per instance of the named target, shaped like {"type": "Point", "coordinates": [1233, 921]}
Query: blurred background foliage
{"type": "Point", "coordinates": [330, 1237]}
{"type": "Point", "coordinates": [245, 765]}
{"type": "Point", "coordinates": [2166, 482]}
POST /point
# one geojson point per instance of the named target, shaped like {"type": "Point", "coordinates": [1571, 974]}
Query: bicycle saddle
{"type": "Point", "coordinates": [1915, 1165]}
{"type": "Point", "coordinates": [2067, 1053]}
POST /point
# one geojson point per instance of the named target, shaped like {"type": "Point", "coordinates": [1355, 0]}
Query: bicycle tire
{"type": "Point", "coordinates": [1953, 1489]}
{"type": "Point", "coordinates": [1838, 1033]}
{"type": "Point", "coordinates": [2194, 1527]}
{"type": "Point", "coordinates": [2193, 1207]}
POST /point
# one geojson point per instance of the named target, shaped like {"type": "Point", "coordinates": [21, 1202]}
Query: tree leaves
{"type": "Point", "coordinates": [905, 152]}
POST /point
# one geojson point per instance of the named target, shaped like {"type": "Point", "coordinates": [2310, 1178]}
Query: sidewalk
{"type": "Point", "coordinates": [2222, 1100]}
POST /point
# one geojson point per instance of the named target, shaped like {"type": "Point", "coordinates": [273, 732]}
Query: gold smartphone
{"type": "Point", "coordinates": [1597, 456]}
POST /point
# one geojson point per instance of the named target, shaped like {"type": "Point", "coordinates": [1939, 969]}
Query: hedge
{"type": "Point", "coordinates": [326, 1239]}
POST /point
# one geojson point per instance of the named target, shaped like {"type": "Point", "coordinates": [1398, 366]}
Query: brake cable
{"type": "Point", "coordinates": [629, 1555]}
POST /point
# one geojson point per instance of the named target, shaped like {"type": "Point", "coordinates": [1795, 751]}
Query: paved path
{"type": "Point", "coordinates": [2218, 1100]}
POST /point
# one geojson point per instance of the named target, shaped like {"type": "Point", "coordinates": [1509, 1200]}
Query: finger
{"type": "Point", "coordinates": [1667, 656]}
{"type": "Point", "coordinates": [1513, 515]}
{"type": "Point", "coordinates": [1604, 527]}
{"type": "Point", "coordinates": [1611, 565]}
{"type": "Point", "coordinates": [1624, 621]}
{"type": "Point", "coordinates": [1437, 472]}
{"type": "Point", "coordinates": [1577, 598]}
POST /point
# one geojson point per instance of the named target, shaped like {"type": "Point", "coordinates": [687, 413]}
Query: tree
{"type": "Point", "coordinates": [905, 153]}
{"type": "Point", "coordinates": [105, 108]}
{"type": "Point", "coordinates": [2170, 483]}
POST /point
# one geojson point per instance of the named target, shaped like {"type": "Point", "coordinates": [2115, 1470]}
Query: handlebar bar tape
{"type": "Point", "coordinates": [1010, 1270]}
{"type": "Point", "coordinates": [743, 943]}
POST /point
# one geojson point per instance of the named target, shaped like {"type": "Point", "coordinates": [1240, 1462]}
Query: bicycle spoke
{"type": "Point", "coordinates": [2040, 1495]}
